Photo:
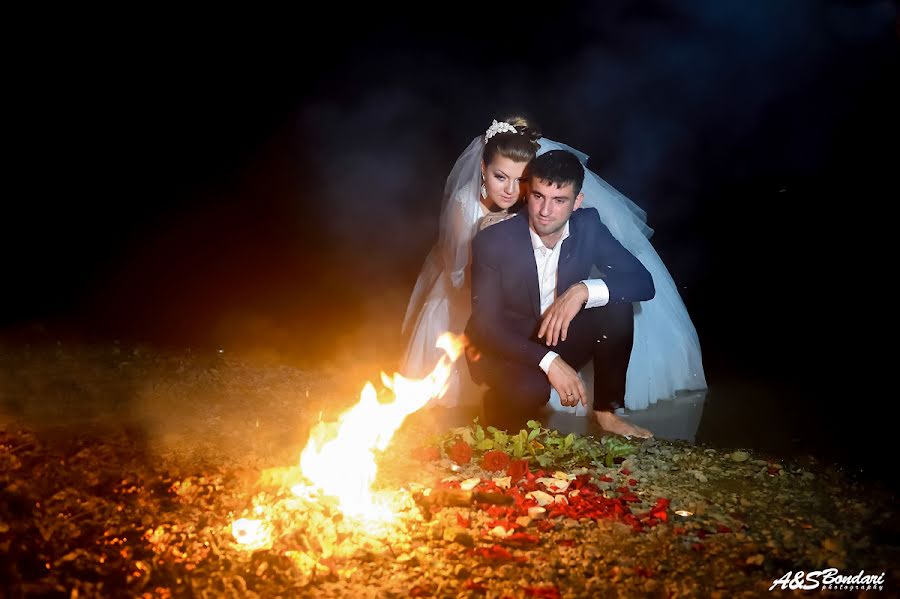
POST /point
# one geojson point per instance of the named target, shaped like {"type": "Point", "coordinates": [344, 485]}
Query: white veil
{"type": "Point", "coordinates": [460, 213]}
{"type": "Point", "coordinates": [604, 197]}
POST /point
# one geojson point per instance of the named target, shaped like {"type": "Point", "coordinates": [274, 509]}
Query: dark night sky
{"type": "Point", "coordinates": [271, 187]}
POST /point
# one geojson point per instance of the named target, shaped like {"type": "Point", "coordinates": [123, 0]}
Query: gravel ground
{"type": "Point", "coordinates": [122, 470]}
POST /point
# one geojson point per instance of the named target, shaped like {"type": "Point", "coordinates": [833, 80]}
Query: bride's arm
{"type": "Point", "coordinates": [458, 227]}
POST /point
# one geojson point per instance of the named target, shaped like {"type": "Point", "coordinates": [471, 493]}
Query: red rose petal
{"type": "Point", "coordinates": [545, 525]}
{"type": "Point", "coordinates": [543, 592]}
{"type": "Point", "coordinates": [517, 469]}
{"type": "Point", "coordinates": [460, 453]}
{"type": "Point", "coordinates": [495, 461]}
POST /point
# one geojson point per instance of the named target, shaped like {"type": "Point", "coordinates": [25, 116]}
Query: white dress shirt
{"type": "Point", "coordinates": [547, 260]}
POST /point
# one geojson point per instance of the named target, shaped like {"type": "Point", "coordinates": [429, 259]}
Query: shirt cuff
{"type": "Point", "coordinates": [598, 293]}
{"type": "Point", "coordinates": [548, 358]}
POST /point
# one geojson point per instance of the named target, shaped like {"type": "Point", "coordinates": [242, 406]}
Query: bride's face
{"type": "Point", "coordinates": [501, 180]}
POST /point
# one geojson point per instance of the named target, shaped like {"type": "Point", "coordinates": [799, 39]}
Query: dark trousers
{"type": "Point", "coordinates": [518, 391]}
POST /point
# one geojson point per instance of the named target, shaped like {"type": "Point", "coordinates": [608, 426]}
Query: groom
{"type": "Point", "coordinates": [537, 318]}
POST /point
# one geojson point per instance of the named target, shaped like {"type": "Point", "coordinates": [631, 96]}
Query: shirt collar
{"type": "Point", "coordinates": [538, 244]}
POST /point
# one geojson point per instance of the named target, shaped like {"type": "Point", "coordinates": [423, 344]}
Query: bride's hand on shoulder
{"type": "Point", "coordinates": [493, 218]}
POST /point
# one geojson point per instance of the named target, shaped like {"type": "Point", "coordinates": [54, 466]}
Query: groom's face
{"type": "Point", "coordinates": [550, 206]}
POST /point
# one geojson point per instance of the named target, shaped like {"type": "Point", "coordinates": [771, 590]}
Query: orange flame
{"type": "Point", "coordinates": [339, 458]}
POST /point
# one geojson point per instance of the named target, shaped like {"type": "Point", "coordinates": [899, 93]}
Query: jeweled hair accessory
{"type": "Point", "coordinates": [495, 128]}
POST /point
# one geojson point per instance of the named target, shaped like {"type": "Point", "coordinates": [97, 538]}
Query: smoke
{"type": "Point", "coordinates": [676, 105]}
{"type": "Point", "coordinates": [700, 112]}
{"type": "Point", "coordinates": [679, 105]}
{"type": "Point", "coordinates": [369, 161]}
{"type": "Point", "coordinates": [678, 98]}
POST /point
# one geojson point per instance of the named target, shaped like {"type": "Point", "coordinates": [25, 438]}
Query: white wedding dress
{"type": "Point", "coordinates": [665, 357]}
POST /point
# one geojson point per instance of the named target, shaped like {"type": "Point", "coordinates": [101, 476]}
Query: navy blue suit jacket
{"type": "Point", "coordinates": [505, 291]}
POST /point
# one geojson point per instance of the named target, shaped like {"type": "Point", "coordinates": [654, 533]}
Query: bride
{"type": "Point", "coordinates": [482, 189]}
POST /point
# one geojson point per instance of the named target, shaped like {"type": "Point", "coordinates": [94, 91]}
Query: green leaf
{"type": "Point", "coordinates": [545, 446]}
{"type": "Point", "coordinates": [485, 444]}
{"type": "Point", "coordinates": [518, 446]}
{"type": "Point", "coordinates": [544, 460]}
{"type": "Point", "coordinates": [468, 437]}
{"type": "Point", "coordinates": [616, 448]}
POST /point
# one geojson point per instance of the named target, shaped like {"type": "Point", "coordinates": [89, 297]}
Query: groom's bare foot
{"type": "Point", "coordinates": [613, 424]}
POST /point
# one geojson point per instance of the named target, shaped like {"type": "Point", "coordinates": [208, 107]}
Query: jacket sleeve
{"type": "Point", "coordinates": [492, 327]}
{"type": "Point", "coordinates": [627, 279]}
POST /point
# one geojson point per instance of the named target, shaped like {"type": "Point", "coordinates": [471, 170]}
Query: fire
{"type": "Point", "coordinates": [339, 458]}
{"type": "Point", "coordinates": [251, 533]}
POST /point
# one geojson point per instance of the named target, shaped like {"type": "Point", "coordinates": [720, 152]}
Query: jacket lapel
{"type": "Point", "coordinates": [527, 252]}
{"type": "Point", "coordinates": [565, 272]}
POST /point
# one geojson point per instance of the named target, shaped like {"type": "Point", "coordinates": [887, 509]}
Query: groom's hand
{"type": "Point", "coordinates": [567, 383]}
{"type": "Point", "coordinates": [555, 324]}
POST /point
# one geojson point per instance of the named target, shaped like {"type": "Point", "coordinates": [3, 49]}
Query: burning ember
{"type": "Point", "coordinates": [338, 462]}
{"type": "Point", "coordinates": [251, 533]}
